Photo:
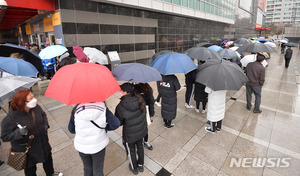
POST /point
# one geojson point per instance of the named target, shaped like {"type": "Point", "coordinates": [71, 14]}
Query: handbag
{"type": "Point", "coordinates": [18, 160]}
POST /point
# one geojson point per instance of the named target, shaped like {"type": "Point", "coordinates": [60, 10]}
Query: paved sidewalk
{"type": "Point", "coordinates": [187, 149]}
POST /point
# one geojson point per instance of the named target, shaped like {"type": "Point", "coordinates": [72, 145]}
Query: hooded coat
{"type": "Point", "coordinates": [40, 147]}
{"type": "Point", "coordinates": [168, 87]}
{"type": "Point", "coordinates": [132, 118]}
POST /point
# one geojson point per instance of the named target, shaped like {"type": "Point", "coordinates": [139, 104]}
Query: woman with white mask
{"type": "Point", "coordinates": [26, 121]}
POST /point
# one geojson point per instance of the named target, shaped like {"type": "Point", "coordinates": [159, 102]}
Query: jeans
{"type": "Point", "coordinates": [257, 93]}
{"type": "Point", "coordinates": [93, 163]}
{"type": "Point", "coordinates": [47, 165]}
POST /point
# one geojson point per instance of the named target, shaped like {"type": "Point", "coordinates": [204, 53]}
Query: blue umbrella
{"type": "Point", "coordinates": [261, 40]}
{"type": "Point", "coordinates": [172, 63]}
{"type": "Point", "coordinates": [52, 51]}
{"type": "Point", "coordinates": [29, 56]}
{"type": "Point", "coordinates": [17, 67]}
{"type": "Point", "coordinates": [214, 47]}
{"type": "Point", "coordinates": [136, 72]}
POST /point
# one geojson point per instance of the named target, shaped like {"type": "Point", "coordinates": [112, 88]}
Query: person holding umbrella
{"type": "Point", "coordinates": [255, 72]}
{"type": "Point", "coordinates": [190, 87]}
{"type": "Point", "coordinates": [131, 112]}
{"type": "Point", "coordinates": [168, 89]}
{"type": "Point", "coordinates": [49, 66]}
{"type": "Point", "coordinates": [282, 47]}
{"type": "Point", "coordinates": [200, 95]}
{"type": "Point", "coordinates": [287, 56]}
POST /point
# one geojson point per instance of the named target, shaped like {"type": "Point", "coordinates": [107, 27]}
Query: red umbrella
{"type": "Point", "coordinates": [82, 83]}
{"type": "Point", "coordinates": [78, 51]}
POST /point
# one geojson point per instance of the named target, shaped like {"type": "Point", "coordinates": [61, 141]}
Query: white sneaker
{"type": "Point", "coordinates": [197, 110]}
{"type": "Point", "coordinates": [158, 104]}
{"type": "Point", "coordinates": [57, 174]}
{"type": "Point", "coordinates": [203, 111]}
{"type": "Point", "coordinates": [189, 106]}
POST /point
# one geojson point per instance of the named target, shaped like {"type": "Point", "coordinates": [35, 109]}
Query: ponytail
{"type": "Point", "coordinates": [141, 100]}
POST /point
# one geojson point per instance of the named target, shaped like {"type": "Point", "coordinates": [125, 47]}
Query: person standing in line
{"type": "Point", "coordinates": [255, 72]}
{"type": "Point", "coordinates": [131, 112]}
{"type": "Point", "coordinates": [157, 100]}
{"type": "Point", "coordinates": [168, 89]}
{"type": "Point", "coordinates": [282, 47]}
{"type": "Point", "coordinates": [145, 90]}
{"type": "Point", "coordinates": [49, 65]}
{"type": "Point", "coordinates": [216, 109]}
{"type": "Point", "coordinates": [287, 56]}
{"type": "Point", "coordinates": [200, 96]}
{"type": "Point", "coordinates": [190, 87]}
{"type": "Point", "coordinates": [26, 119]}
{"type": "Point", "coordinates": [89, 122]}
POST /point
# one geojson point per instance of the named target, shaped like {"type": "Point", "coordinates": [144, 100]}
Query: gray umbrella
{"type": "Point", "coordinates": [203, 54]}
{"type": "Point", "coordinates": [256, 48]}
{"type": "Point", "coordinates": [221, 75]}
{"type": "Point", "coordinates": [136, 72]}
{"type": "Point", "coordinates": [228, 54]}
{"type": "Point", "coordinates": [204, 44]}
{"type": "Point", "coordinates": [290, 44]}
{"type": "Point", "coordinates": [241, 41]}
{"type": "Point", "coordinates": [151, 59]}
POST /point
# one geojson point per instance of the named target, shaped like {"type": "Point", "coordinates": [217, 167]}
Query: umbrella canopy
{"type": "Point", "coordinates": [256, 48]}
{"type": "Point", "coordinates": [204, 44]}
{"type": "Point", "coordinates": [221, 75]}
{"type": "Point", "coordinates": [29, 56]}
{"type": "Point", "coordinates": [290, 44]}
{"type": "Point", "coordinates": [10, 85]}
{"type": "Point", "coordinates": [283, 41]}
{"type": "Point", "coordinates": [201, 53]}
{"type": "Point", "coordinates": [95, 55]}
{"type": "Point", "coordinates": [247, 59]}
{"type": "Point", "coordinates": [234, 48]}
{"type": "Point", "coordinates": [172, 63]}
{"type": "Point", "coordinates": [214, 47]}
{"type": "Point", "coordinates": [18, 67]}
{"type": "Point", "coordinates": [82, 83]}
{"type": "Point", "coordinates": [52, 51]}
{"type": "Point", "coordinates": [151, 59]}
{"type": "Point", "coordinates": [228, 44]}
{"type": "Point", "coordinates": [228, 54]}
{"type": "Point", "coordinates": [271, 44]}
{"type": "Point", "coordinates": [136, 72]}
{"type": "Point", "coordinates": [261, 40]}
{"type": "Point", "coordinates": [241, 41]}
{"type": "Point", "coordinates": [78, 52]}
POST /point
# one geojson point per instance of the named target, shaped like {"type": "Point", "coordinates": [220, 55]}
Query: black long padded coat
{"type": "Point", "coordinates": [200, 94]}
{"type": "Point", "coordinates": [168, 87]}
{"type": "Point", "coordinates": [40, 147]}
{"type": "Point", "coordinates": [132, 118]}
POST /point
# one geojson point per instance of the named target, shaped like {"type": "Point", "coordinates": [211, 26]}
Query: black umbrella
{"type": "Point", "coordinates": [204, 44]}
{"type": "Point", "coordinates": [228, 54]}
{"type": "Point", "coordinates": [29, 56]}
{"type": "Point", "coordinates": [241, 41]}
{"type": "Point", "coordinates": [256, 48]}
{"type": "Point", "coordinates": [203, 54]}
{"type": "Point", "coordinates": [290, 44]}
{"type": "Point", "coordinates": [221, 75]}
{"type": "Point", "coordinates": [151, 59]}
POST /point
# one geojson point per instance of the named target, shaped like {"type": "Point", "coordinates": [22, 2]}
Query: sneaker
{"type": "Point", "coordinates": [158, 104]}
{"type": "Point", "coordinates": [208, 122]}
{"type": "Point", "coordinates": [203, 111]}
{"type": "Point", "coordinates": [197, 110]}
{"type": "Point", "coordinates": [189, 106]}
{"type": "Point", "coordinates": [248, 108]}
{"type": "Point", "coordinates": [57, 174]}
{"type": "Point", "coordinates": [134, 171]}
{"type": "Point", "coordinates": [140, 168]}
{"type": "Point", "coordinates": [172, 125]}
{"type": "Point", "coordinates": [165, 125]}
{"type": "Point", "coordinates": [257, 111]}
{"type": "Point", "coordinates": [148, 146]}
{"type": "Point", "coordinates": [218, 129]}
{"type": "Point", "coordinates": [209, 130]}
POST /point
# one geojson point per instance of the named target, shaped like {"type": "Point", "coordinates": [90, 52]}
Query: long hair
{"type": "Point", "coordinates": [19, 100]}
{"type": "Point", "coordinates": [145, 88]}
{"type": "Point", "coordinates": [141, 100]}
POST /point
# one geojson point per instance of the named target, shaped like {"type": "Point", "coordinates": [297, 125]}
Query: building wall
{"type": "Point", "coordinates": [136, 34]}
{"type": "Point", "coordinates": [283, 11]}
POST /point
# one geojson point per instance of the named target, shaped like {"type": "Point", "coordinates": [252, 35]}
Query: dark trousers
{"type": "Point", "coordinates": [133, 149]}
{"type": "Point", "coordinates": [93, 163]}
{"type": "Point", "coordinates": [189, 93]}
{"type": "Point", "coordinates": [167, 122]}
{"type": "Point", "coordinates": [158, 97]}
{"type": "Point", "coordinates": [146, 138]}
{"type": "Point", "coordinates": [214, 125]}
{"type": "Point", "coordinates": [203, 105]}
{"type": "Point", "coordinates": [257, 93]}
{"type": "Point", "coordinates": [287, 62]}
{"type": "Point", "coordinates": [47, 165]}
{"type": "Point", "coordinates": [49, 73]}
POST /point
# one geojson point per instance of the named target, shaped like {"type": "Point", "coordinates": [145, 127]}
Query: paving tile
{"type": "Point", "coordinates": [194, 166]}
{"type": "Point", "coordinates": [222, 138]}
{"type": "Point", "coordinates": [176, 160]}
{"type": "Point", "coordinates": [270, 172]}
{"type": "Point", "coordinates": [258, 131]}
{"type": "Point", "coordinates": [190, 124]}
{"type": "Point", "coordinates": [246, 148]}
{"type": "Point", "coordinates": [114, 157]}
{"type": "Point", "coordinates": [211, 153]}
{"type": "Point", "coordinates": [286, 139]}
{"type": "Point", "coordinates": [123, 170]}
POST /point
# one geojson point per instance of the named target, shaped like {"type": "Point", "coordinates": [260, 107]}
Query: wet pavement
{"type": "Point", "coordinates": [187, 149]}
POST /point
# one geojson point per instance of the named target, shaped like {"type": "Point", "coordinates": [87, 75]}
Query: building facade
{"type": "Point", "coordinates": [283, 11]}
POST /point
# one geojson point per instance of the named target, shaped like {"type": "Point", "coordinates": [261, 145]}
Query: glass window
{"type": "Point", "coordinates": [177, 2]}
{"type": "Point", "coordinates": [202, 6]}
{"type": "Point", "coordinates": [197, 4]}
{"type": "Point", "coordinates": [185, 3]}
{"type": "Point", "coordinates": [191, 4]}
{"type": "Point", "coordinates": [207, 8]}
{"type": "Point", "coordinates": [212, 9]}
{"type": "Point", "coordinates": [170, 1]}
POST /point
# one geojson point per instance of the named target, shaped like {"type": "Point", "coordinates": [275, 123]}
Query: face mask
{"type": "Point", "coordinates": [32, 103]}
